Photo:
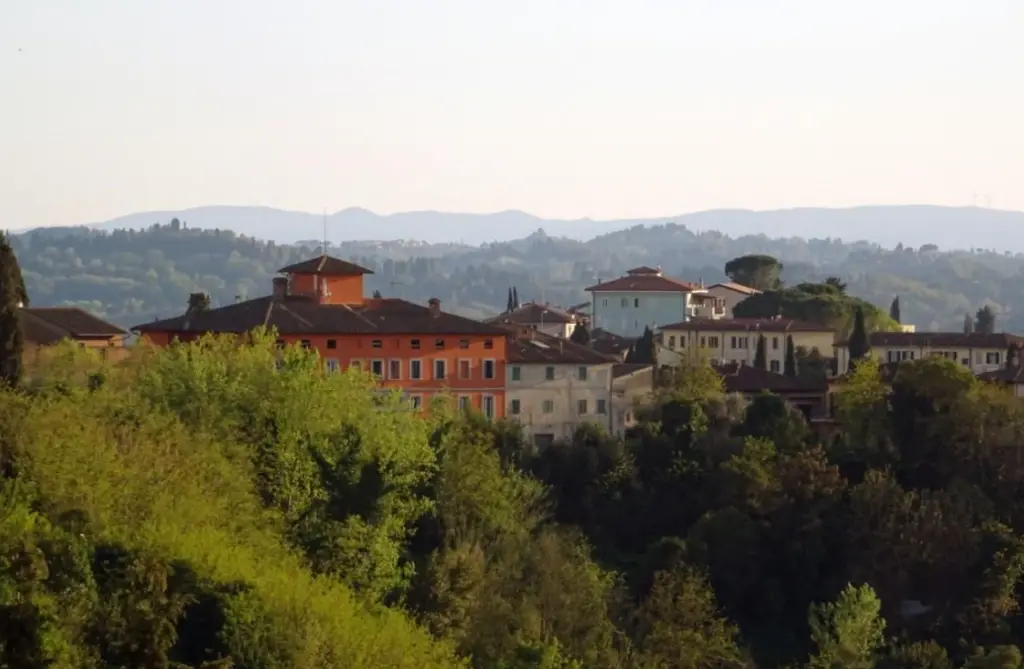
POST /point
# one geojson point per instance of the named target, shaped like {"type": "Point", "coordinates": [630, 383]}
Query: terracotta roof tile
{"type": "Point", "coordinates": [942, 339]}
{"type": "Point", "coordinates": [298, 315]}
{"type": "Point", "coordinates": [738, 287]}
{"type": "Point", "coordinates": [539, 348]}
{"type": "Point", "coordinates": [530, 312]}
{"type": "Point", "coordinates": [48, 325]}
{"type": "Point", "coordinates": [645, 279]}
{"type": "Point", "coordinates": [325, 264]}
{"type": "Point", "coordinates": [747, 325]}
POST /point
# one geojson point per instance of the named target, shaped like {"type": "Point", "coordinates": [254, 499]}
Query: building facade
{"type": "Point", "coordinates": [632, 386]}
{"type": "Point", "coordinates": [723, 298]}
{"type": "Point", "coordinates": [544, 318]}
{"type": "Point", "coordinates": [554, 386]}
{"type": "Point", "coordinates": [320, 305]}
{"type": "Point", "coordinates": [46, 326]}
{"type": "Point", "coordinates": [734, 340]}
{"type": "Point", "coordinates": [644, 298]}
{"type": "Point", "coordinates": [977, 351]}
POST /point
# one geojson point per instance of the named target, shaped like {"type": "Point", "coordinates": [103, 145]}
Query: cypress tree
{"type": "Point", "coordinates": [894, 309]}
{"type": "Point", "coordinates": [510, 305]}
{"type": "Point", "coordinates": [789, 368]}
{"type": "Point", "coordinates": [515, 297]}
{"type": "Point", "coordinates": [761, 355]}
{"type": "Point", "coordinates": [859, 346]}
{"type": "Point", "coordinates": [580, 334]}
{"type": "Point", "coordinates": [12, 297]}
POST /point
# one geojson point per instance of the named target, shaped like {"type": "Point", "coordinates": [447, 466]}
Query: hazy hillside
{"type": "Point", "coordinates": [134, 276]}
{"type": "Point", "coordinates": [947, 227]}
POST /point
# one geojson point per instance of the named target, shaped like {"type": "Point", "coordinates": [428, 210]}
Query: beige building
{"type": "Point", "coordinates": [722, 298]}
{"type": "Point", "coordinates": [734, 340]}
{"type": "Point", "coordinates": [554, 386]}
{"type": "Point", "coordinates": [545, 318]}
{"type": "Point", "coordinates": [978, 351]}
{"type": "Point", "coordinates": [632, 385]}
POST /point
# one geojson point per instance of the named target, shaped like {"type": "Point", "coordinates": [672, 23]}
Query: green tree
{"type": "Point", "coordinates": [645, 350]}
{"type": "Point", "coordinates": [756, 271]}
{"type": "Point", "coordinates": [511, 305]}
{"type": "Point", "coordinates": [894, 309]}
{"type": "Point", "coordinates": [847, 633]}
{"type": "Point", "coordinates": [13, 297]}
{"type": "Point", "coordinates": [515, 297]}
{"type": "Point", "coordinates": [985, 320]}
{"type": "Point", "coordinates": [377, 295]}
{"type": "Point", "coordinates": [580, 334]}
{"type": "Point", "coordinates": [761, 354]}
{"type": "Point", "coordinates": [789, 368]}
{"type": "Point", "coordinates": [859, 345]}
{"type": "Point", "coordinates": [837, 283]}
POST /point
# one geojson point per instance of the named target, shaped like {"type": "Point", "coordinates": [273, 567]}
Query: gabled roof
{"type": "Point", "coordinates": [626, 368]}
{"type": "Point", "coordinates": [781, 325]}
{"type": "Point", "coordinates": [737, 287]}
{"type": "Point", "coordinates": [539, 348]}
{"type": "Point", "coordinates": [299, 315]}
{"type": "Point", "coordinates": [610, 343]}
{"type": "Point", "coordinates": [1014, 375]}
{"type": "Point", "coordinates": [748, 379]}
{"type": "Point", "coordinates": [531, 312]}
{"type": "Point", "coordinates": [645, 279]}
{"type": "Point", "coordinates": [327, 265]}
{"type": "Point", "coordinates": [49, 325]}
{"type": "Point", "coordinates": [942, 339]}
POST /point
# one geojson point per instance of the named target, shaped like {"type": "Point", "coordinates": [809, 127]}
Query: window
{"type": "Point", "coordinates": [548, 406]}
{"type": "Point", "coordinates": [439, 344]}
{"type": "Point", "coordinates": [488, 402]}
{"type": "Point", "coordinates": [514, 407]}
{"type": "Point", "coordinates": [775, 343]}
{"type": "Point", "coordinates": [465, 369]}
{"type": "Point", "coordinates": [305, 343]}
{"type": "Point", "coordinates": [394, 369]}
{"type": "Point", "coordinates": [464, 403]}
{"type": "Point", "coordinates": [463, 343]}
{"type": "Point", "coordinates": [488, 369]}
{"type": "Point", "coordinates": [581, 407]}
{"type": "Point", "coordinates": [773, 365]}
{"type": "Point", "coordinates": [713, 342]}
{"type": "Point", "coordinates": [739, 342]}
{"type": "Point", "coordinates": [440, 369]}
{"type": "Point", "coordinates": [549, 373]}
{"type": "Point", "coordinates": [377, 367]}
{"type": "Point", "coordinates": [332, 365]}
{"type": "Point", "coordinates": [636, 303]}
{"type": "Point", "coordinates": [488, 344]}
{"type": "Point", "coordinates": [376, 343]}
{"type": "Point", "coordinates": [332, 343]}
{"type": "Point", "coordinates": [602, 407]}
{"type": "Point", "coordinates": [604, 303]}
{"type": "Point", "coordinates": [703, 342]}
{"type": "Point", "coordinates": [415, 370]}
{"type": "Point", "coordinates": [414, 344]}
{"type": "Point", "coordinates": [355, 364]}
{"type": "Point", "coordinates": [581, 373]}
{"type": "Point", "coordinates": [417, 401]}
{"type": "Point", "coordinates": [517, 373]}
{"type": "Point", "coordinates": [672, 341]}
{"type": "Point", "coordinates": [992, 357]}
{"type": "Point", "coordinates": [625, 302]}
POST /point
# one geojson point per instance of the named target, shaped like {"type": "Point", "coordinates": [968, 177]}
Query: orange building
{"type": "Point", "coordinates": [320, 304]}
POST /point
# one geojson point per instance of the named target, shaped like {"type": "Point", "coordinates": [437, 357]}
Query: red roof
{"type": "Point", "coordinates": [326, 265]}
{"type": "Point", "coordinates": [645, 279]}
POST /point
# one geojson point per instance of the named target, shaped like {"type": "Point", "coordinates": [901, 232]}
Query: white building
{"type": "Point", "coordinates": [979, 352]}
{"type": "Point", "coordinates": [723, 299]}
{"type": "Point", "coordinates": [554, 386]}
{"type": "Point", "coordinates": [645, 297]}
{"type": "Point", "coordinates": [544, 318]}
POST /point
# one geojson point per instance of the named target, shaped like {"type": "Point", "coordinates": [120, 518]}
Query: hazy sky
{"type": "Point", "coordinates": [563, 108]}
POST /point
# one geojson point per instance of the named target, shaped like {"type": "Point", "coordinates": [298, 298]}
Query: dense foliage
{"type": "Point", "coordinates": [221, 505]}
{"type": "Point", "coordinates": [131, 277]}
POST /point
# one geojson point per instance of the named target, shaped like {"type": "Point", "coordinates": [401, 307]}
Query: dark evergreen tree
{"type": "Point", "coordinates": [580, 334]}
{"type": "Point", "coordinates": [789, 367]}
{"type": "Point", "coordinates": [761, 355]}
{"type": "Point", "coordinates": [894, 309]}
{"type": "Point", "coordinates": [377, 295]}
{"type": "Point", "coordinates": [858, 345]}
{"type": "Point", "coordinates": [13, 296]}
{"type": "Point", "coordinates": [985, 320]}
{"type": "Point", "coordinates": [644, 351]}
{"type": "Point", "coordinates": [510, 305]}
{"type": "Point", "coordinates": [515, 297]}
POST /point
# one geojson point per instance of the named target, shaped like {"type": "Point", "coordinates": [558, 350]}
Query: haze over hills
{"type": "Point", "coordinates": [911, 225]}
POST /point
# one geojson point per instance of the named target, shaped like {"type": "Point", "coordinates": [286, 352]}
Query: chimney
{"type": "Point", "coordinates": [435, 307]}
{"type": "Point", "coordinates": [280, 287]}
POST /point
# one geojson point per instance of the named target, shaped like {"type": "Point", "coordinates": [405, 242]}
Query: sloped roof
{"type": "Point", "coordinates": [738, 287]}
{"type": "Point", "coordinates": [746, 325]}
{"type": "Point", "coordinates": [49, 325]}
{"type": "Point", "coordinates": [609, 343]}
{"type": "Point", "coordinates": [298, 315]}
{"type": "Point", "coordinates": [531, 312]}
{"type": "Point", "coordinates": [626, 368]}
{"type": "Point", "coordinates": [327, 265]}
{"type": "Point", "coordinates": [540, 348]}
{"type": "Point", "coordinates": [748, 379]}
{"type": "Point", "coordinates": [645, 279]}
{"type": "Point", "coordinates": [942, 339]}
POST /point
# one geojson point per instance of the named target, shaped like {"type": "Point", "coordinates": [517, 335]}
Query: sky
{"type": "Point", "coordinates": [562, 108]}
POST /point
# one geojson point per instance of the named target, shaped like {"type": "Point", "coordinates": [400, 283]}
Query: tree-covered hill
{"type": "Point", "coordinates": [135, 276]}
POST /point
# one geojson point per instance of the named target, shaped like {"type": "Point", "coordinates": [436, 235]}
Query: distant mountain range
{"type": "Point", "coordinates": [911, 225]}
